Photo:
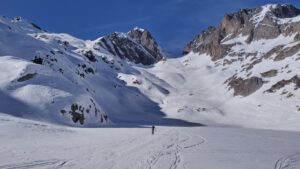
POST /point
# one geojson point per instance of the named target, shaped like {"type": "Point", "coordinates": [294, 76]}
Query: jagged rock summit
{"type": "Point", "coordinates": [242, 30]}
{"type": "Point", "coordinates": [266, 22]}
{"type": "Point", "coordinates": [137, 46]}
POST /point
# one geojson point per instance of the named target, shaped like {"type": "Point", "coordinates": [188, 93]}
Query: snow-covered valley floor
{"type": "Point", "coordinates": [28, 144]}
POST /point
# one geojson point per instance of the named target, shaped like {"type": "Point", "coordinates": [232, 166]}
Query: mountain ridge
{"type": "Point", "coordinates": [66, 78]}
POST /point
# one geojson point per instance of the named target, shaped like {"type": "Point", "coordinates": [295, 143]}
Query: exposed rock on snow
{"type": "Point", "coordinates": [251, 37]}
{"type": "Point", "coordinates": [270, 73]}
{"type": "Point", "coordinates": [245, 87]}
{"type": "Point", "coordinates": [137, 45]}
{"type": "Point", "coordinates": [266, 22]}
{"type": "Point", "coordinates": [283, 83]}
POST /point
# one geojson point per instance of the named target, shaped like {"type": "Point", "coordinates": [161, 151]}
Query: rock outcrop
{"type": "Point", "coordinates": [247, 41]}
{"type": "Point", "coordinates": [137, 46]}
{"type": "Point", "coordinates": [283, 83]}
{"type": "Point", "coordinates": [245, 87]}
{"type": "Point", "coordinates": [265, 22]}
{"type": "Point", "coordinates": [270, 73]}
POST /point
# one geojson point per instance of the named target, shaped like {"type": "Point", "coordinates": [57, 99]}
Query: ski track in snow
{"type": "Point", "coordinates": [173, 149]}
{"type": "Point", "coordinates": [166, 146]}
{"type": "Point", "coordinates": [29, 144]}
{"type": "Point", "coordinates": [288, 162]}
{"type": "Point", "coordinates": [53, 164]}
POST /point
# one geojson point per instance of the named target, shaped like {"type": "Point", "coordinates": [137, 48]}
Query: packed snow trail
{"type": "Point", "coordinates": [36, 164]}
{"type": "Point", "coordinates": [26, 144]}
{"type": "Point", "coordinates": [288, 162]}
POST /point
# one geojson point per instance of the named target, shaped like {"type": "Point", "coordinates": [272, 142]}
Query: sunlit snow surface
{"type": "Point", "coordinates": [30, 144]}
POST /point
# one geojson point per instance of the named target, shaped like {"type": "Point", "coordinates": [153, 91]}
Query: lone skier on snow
{"type": "Point", "coordinates": [153, 129]}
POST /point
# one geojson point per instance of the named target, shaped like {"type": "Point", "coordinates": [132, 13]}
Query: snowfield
{"type": "Point", "coordinates": [29, 144]}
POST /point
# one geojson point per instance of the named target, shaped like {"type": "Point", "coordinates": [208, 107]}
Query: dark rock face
{"type": "Point", "coordinates": [232, 23]}
{"type": "Point", "coordinates": [244, 22]}
{"type": "Point", "coordinates": [275, 50]}
{"type": "Point", "coordinates": [282, 83]}
{"type": "Point", "coordinates": [36, 26]}
{"type": "Point", "coordinates": [144, 38]}
{"type": "Point", "coordinates": [286, 11]}
{"type": "Point", "coordinates": [287, 52]}
{"type": "Point", "coordinates": [90, 55]}
{"type": "Point", "coordinates": [270, 73]}
{"type": "Point", "coordinates": [245, 87]}
{"type": "Point", "coordinates": [244, 28]}
{"type": "Point", "coordinates": [137, 46]}
{"type": "Point", "coordinates": [38, 60]}
{"type": "Point", "coordinates": [209, 42]}
{"type": "Point", "coordinates": [267, 29]}
{"type": "Point", "coordinates": [26, 77]}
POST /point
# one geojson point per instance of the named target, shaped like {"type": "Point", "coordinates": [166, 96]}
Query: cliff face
{"type": "Point", "coordinates": [235, 41]}
{"type": "Point", "coordinates": [137, 46]}
{"type": "Point", "coordinates": [266, 22]}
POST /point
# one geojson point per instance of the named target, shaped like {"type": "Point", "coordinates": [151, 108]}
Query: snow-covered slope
{"type": "Point", "coordinates": [244, 72]}
{"type": "Point", "coordinates": [62, 79]}
{"type": "Point", "coordinates": [32, 144]}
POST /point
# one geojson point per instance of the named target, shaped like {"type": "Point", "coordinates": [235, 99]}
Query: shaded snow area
{"type": "Point", "coordinates": [61, 79]}
{"type": "Point", "coordinates": [29, 144]}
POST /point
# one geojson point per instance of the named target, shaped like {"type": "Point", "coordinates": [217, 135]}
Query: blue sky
{"type": "Point", "coordinates": [172, 22]}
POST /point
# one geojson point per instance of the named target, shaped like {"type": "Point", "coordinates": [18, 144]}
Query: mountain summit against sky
{"type": "Point", "coordinates": [275, 27]}
{"type": "Point", "coordinates": [266, 22]}
{"type": "Point", "coordinates": [137, 46]}
{"type": "Point", "coordinates": [173, 23]}
{"type": "Point", "coordinates": [62, 79]}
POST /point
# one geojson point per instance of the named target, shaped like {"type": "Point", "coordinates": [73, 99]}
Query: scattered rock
{"type": "Point", "coordinates": [26, 77]}
{"type": "Point", "coordinates": [36, 26]}
{"type": "Point", "coordinates": [245, 87]}
{"type": "Point", "coordinates": [270, 73]}
{"type": "Point", "coordinates": [90, 55]}
{"type": "Point", "coordinates": [282, 83]}
{"type": "Point", "coordinates": [76, 116]}
{"type": "Point", "coordinates": [37, 60]}
{"type": "Point", "coordinates": [287, 52]}
{"type": "Point", "coordinates": [137, 82]}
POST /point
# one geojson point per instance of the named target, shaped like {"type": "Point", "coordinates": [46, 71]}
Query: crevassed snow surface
{"type": "Point", "coordinates": [29, 144]}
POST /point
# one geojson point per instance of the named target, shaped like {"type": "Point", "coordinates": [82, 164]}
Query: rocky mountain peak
{"type": "Point", "coordinates": [137, 45]}
{"type": "Point", "coordinates": [144, 37]}
{"type": "Point", "coordinates": [281, 10]}
{"type": "Point", "coordinates": [138, 29]}
{"type": "Point", "coordinates": [247, 40]}
{"type": "Point", "coordinates": [265, 22]}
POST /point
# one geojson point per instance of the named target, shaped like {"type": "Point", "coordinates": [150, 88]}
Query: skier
{"type": "Point", "coordinates": [153, 129]}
